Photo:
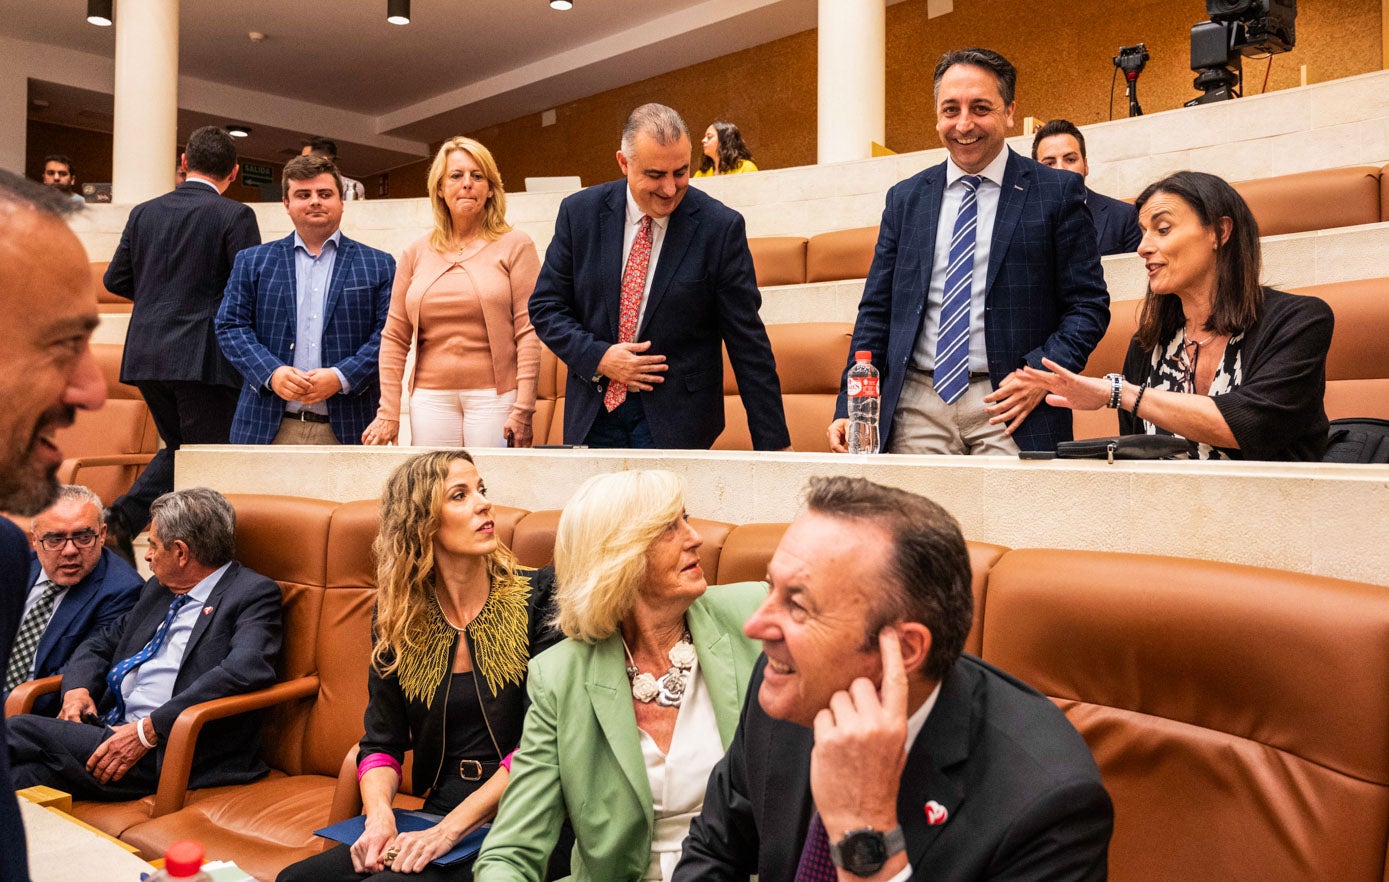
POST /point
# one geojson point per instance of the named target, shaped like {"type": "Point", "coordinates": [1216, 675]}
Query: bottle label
{"type": "Point", "coordinates": [863, 387]}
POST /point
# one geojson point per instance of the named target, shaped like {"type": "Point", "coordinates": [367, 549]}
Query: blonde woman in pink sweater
{"type": "Point", "coordinates": [460, 301]}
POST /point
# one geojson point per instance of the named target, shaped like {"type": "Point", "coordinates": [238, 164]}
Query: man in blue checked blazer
{"type": "Point", "coordinates": [984, 263]}
{"type": "Point", "coordinates": [302, 320]}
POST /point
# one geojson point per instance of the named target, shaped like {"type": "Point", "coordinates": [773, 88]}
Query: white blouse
{"type": "Point", "coordinates": [678, 778]}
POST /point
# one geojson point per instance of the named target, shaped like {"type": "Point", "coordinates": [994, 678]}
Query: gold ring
{"type": "Point", "coordinates": [390, 855]}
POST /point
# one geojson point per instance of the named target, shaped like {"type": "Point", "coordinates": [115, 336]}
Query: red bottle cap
{"type": "Point", "coordinates": [863, 355]}
{"type": "Point", "coordinates": [183, 859]}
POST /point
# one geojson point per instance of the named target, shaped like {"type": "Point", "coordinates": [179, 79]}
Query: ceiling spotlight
{"type": "Point", "coordinates": [239, 131]}
{"type": "Point", "coordinates": [398, 12]}
{"type": "Point", "coordinates": [562, 5]}
{"type": "Point", "coordinates": [99, 13]}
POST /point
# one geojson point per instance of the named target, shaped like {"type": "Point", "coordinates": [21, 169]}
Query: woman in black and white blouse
{"type": "Point", "coordinates": [1237, 369]}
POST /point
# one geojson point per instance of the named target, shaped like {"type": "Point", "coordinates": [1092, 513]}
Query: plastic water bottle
{"type": "Point", "coordinates": [863, 404]}
{"type": "Point", "coordinates": [183, 862]}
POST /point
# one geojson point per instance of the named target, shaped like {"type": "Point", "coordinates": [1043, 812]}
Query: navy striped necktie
{"type": "Point", "coordinates": [117, 673]}
{"type": "Point", "coordinates": [951, 377]}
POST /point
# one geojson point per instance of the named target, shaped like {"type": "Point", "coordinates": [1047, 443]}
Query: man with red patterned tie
{"type": "Point", "coordinates": [870, 747]}
{"type": "Point", "coordinates": [643, 283]}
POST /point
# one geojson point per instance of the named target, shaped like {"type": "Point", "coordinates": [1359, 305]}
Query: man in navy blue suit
{"type": "Point", "coordinates": [643, 281]}
{"type": "Point", "coordinates": [46, 373]}
{"type": "Point", "coordinates": [1008, 246]}
{"type": "Point", "coordinates": [77, 586]}
{"type": "Point", "coordinates": [301, 320]}
{"type": "Point", "coordinates": [1059, 144]}
{"type": "Point", "coordinates": [173, 261]}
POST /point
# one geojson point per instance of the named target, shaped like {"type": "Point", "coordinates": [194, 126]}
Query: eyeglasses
{"type": "Point", "coordinates": [56, 541]}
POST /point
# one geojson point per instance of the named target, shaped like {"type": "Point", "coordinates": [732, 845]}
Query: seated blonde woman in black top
{"type": "Point", "coordinates": [457, 621]}
{"type": "Point", "coordinates": [1237, 369]}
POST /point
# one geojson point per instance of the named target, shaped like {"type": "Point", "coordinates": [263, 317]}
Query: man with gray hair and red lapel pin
{"type": "Point", "coordinates": [869, 746]}
{"type": "Point", "coordinates": [204, 627]}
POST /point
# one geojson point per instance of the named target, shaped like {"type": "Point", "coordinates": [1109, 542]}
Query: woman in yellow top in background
{"type": "Point", "coordinates": [724, 152]}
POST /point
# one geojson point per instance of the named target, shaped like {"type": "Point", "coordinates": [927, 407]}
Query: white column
{"type": "Point", "coordinates": [852, 58]}
{"type": "Point", "coordinates": [146, 118]}
{"type": "Point", "coordinates": [14, 122]}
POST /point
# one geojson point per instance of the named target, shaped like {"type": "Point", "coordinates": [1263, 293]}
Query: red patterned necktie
{"type": "Point", "coordinates": [815, 865]}
{"type": "Point", "coordinates": [633, 284]}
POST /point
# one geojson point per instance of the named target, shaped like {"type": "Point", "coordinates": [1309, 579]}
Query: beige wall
{"type": "Point", "coordinates": [1062, 51]}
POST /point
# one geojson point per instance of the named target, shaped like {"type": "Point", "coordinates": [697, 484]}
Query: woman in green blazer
{"type": "Point", "coordinates": [630, 713]}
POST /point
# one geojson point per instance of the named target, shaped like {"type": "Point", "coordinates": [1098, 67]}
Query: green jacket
{"type": "Point", "coordinates": [580, 753]}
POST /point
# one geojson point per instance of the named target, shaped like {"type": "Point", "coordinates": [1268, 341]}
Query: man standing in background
{"type": "Point", "coordinates": [173, 261]}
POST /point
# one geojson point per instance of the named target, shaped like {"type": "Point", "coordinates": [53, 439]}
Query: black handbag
{"type": "Point", "coordinates": [1125, 447]}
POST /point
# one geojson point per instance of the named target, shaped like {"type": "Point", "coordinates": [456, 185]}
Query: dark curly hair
{"type": "Point", "coordinates": [732, 150]}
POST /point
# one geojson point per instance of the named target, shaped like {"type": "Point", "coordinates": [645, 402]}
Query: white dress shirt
{"type": "Point", "coordinates": [629, 235]}
{"type": "Point", "coordinates": [679, 778]}
{"type": "Point", "coordinates": [924, 356]}
{"type": "Point", "coordinates": [151, 685]}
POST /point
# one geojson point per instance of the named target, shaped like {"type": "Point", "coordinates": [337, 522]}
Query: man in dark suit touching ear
{"type": "Point", "coordinates": [642, 283]}
{"type": "Point", "coordinates": [869, 746]}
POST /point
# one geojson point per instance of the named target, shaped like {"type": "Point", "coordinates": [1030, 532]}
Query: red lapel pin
{"type": "Point", "coordinates": [935, 814]}
{"type": "Point", "coordinates": [207, 610]}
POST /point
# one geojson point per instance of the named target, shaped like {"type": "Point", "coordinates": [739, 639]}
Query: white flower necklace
{"type": "Point", "coordinates": [670, 689]}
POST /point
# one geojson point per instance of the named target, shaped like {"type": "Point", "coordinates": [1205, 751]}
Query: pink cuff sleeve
{"type": "Point", "coordinates": [376, 760]}
{"type": "Point", "coordinates": [506, 762]}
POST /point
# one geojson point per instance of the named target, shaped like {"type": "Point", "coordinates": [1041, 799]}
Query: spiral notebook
{"type": "Point", "coordinates": [467, 848]}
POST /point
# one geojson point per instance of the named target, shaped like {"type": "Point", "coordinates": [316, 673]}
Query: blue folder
{"type": "Point", "coordinates": [348, 831]}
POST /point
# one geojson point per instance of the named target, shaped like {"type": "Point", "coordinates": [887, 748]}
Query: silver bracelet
{"type": "Point", "coordinates": [1116, 390]}
{"type": "Point", "coordinates": [140, 733]}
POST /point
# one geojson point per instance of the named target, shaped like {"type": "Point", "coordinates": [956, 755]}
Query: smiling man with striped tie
{"type": "Point", "coordinates": [984, 263]}
{"type": "Point", "coordinates": [204, 627]}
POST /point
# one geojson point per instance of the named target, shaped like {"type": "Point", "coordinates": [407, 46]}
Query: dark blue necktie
{"type": "Point", "coordinates": [117, 673]}
{"type": "Point", "coordinates": [951, 377]}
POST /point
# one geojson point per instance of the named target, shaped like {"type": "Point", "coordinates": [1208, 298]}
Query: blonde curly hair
{"type": "Point", "coordinates": [404, 550]}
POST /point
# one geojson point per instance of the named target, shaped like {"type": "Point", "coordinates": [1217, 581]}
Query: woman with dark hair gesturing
{"type": "Point", "coordinates": [1235, 368]}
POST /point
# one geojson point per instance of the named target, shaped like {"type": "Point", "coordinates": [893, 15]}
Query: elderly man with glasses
{"type": "Point", "coordinates": [76, 588]}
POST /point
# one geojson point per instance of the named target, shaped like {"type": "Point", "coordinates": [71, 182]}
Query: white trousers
{"type": "Point", "coordinates": [459, 417]}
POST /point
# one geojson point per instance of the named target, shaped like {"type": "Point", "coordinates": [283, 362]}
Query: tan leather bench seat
{"type": "Point", "coordinates": [1239, 715]}
{"type": "Point", "coordinates": [1316, 200]}
{"type": "Point", "coordinates": [778, 260]}
{"type": "Point", "coordinates": [842, 254]}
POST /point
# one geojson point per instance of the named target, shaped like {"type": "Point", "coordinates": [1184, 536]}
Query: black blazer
{"type": "Point", "coordinates": [232, 650]}
{"type": "Point", "coordinates": [14, 553]}
{"type": "Point", "coordinates": [173, 261]}
{"type": "Point", "coordinates": [704, 294]}
{"type": "Point", "coordinates": [1116, 223]}
{"type": "Point", "coordinates": [1022, 794]}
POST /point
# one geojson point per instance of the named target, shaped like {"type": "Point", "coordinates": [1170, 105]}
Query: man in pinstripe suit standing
{"type": "Point", "coordinates": [984, 263]}
{"type": "Point", "coordinates": [302, 320]}
{"type": "Point", "coordinates": [173, 261]}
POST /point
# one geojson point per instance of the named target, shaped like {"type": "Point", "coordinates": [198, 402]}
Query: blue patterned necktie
{"type": "Point", "coordinates": [815, 864]}
{"type": "Point", "coordinates": [117, 673]}
{"type": "Point", "coordinates": [26, 642]}
{"type": "Point", "coordinates": [951, 377]}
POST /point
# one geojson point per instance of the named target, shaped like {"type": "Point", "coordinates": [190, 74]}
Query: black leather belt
{"type": "Point", "coordinates": [470, 769]}
{"type": "Point", "coordinates": [306, 416]}
{"type": "Point", "coordinates": [973, 375]}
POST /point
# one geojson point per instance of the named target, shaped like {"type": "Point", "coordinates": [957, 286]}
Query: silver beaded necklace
{"type": "Point", "coordinates": [669, 690]}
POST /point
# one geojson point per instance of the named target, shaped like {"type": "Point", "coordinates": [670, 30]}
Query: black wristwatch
{"type": "Point", "coordinates": [863, 852]}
